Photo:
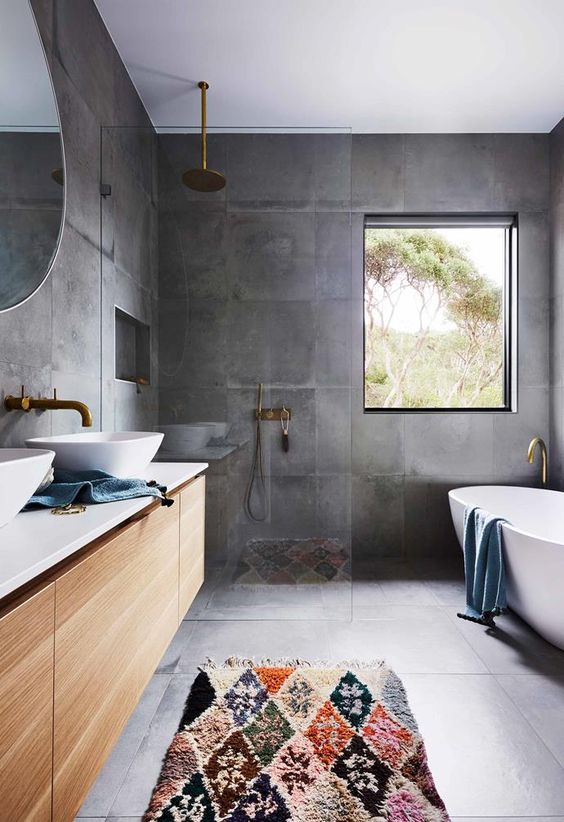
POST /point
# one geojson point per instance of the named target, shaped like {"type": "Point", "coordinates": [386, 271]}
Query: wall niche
{"type": "Point", "coordinates": [132, 349]}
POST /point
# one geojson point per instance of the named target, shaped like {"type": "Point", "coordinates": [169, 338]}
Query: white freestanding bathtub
{"type": "Point", "coordinates": [533, 549]}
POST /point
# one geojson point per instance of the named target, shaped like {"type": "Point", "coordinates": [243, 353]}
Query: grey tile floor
{"type": "Point", "coordinates": [490, 705]}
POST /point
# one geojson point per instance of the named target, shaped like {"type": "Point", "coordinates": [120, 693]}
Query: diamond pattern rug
{"type": "Point", "coordinates": [292, 561]}
{"type": "Point", "coordinates": [292, 741]}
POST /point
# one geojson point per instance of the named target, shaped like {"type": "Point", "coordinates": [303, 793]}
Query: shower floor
{"type": "Point", "coordinates": [278, 578]}
{"type": "Point", "coordinates": [293, 562]}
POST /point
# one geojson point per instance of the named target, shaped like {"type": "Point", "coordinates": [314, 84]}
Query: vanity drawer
{"type": "Point", "coordinates": [116, 612]}
{"type": "Point", "coordinates": [26, 707]}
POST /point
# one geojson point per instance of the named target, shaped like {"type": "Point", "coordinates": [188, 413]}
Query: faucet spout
{"type": "Point", "coordinates": [24, 403]}
{"type": "Point", "coordinates": [544, 457]}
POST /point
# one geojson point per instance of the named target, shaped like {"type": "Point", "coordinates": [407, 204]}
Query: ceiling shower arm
{"type": "Point", "coordinates": [203, 178]}
{"type": "Point", "coordinates": [204, 86]}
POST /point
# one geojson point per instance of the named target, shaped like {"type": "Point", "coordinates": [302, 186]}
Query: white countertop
{"type": "Point", "coordinates": [35, 541]}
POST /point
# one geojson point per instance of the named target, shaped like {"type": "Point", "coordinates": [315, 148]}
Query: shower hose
{"type": "Point", "coordinates": [257, 480]}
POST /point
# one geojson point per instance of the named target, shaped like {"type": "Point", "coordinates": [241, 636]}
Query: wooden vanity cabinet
{"type": "Point", "coordinates": [26, 706]}
{"type": "Point", "coordinates": [116, 612]}
{"type": "Point", "coordinates": [78, 649]}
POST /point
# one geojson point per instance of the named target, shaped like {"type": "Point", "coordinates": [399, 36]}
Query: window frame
{"type": "Point", "coordinates": [507, 220]}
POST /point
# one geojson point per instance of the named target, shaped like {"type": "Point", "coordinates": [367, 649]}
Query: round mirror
{"type": "Point", "coordinates": [31, 158]}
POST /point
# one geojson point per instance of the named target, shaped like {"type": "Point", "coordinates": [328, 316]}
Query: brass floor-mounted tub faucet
{"type": "Point", "coordinates": [25, 403]}
{"type": "Point", "coordinates": [544, 458]}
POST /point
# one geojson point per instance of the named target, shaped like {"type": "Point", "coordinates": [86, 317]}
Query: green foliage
{"type": "Point", "coordinates": [377, 376]}
{"type": "Point", "coordinates": [460, 367]}
{"type": "Point", "coordinates": [418, 255]}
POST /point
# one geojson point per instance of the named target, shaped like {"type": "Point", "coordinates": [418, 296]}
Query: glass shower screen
{"type": "Point", "coordinates": [245, 295]}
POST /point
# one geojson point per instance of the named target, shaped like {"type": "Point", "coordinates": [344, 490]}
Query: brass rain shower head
{"type": "Point", "coordinates": [204, 178]}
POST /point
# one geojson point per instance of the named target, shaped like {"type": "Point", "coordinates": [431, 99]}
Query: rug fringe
{"type": "Point", "coordinates": [289, 662]}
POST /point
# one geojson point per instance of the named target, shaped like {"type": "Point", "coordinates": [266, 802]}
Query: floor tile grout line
{"type": "Point", "coordinates": [529, 723]}
{"type": "Point", "coordinates": [477, 653]}
{"type": "Point", "coordinates": [498, 673]}
{"type": "Point", "coordinates": [138, 748]}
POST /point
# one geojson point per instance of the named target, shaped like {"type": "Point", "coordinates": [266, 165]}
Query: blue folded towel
{"type": "Point", "coordinates": [483, 567]}
{"type": "Point", "coordinates": [92, 487]}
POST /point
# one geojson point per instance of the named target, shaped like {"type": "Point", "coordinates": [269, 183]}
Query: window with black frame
{"type": "Point", "coordinates": [439, 311]}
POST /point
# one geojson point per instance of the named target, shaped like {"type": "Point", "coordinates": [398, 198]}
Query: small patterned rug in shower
{"type": "Point", "coordinates": [292, 561]}
{"type": "Point", "coordinates": [275, 742]}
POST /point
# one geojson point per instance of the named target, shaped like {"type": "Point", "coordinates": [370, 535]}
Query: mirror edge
{"type": "Point", "coordinates": [63, 160]}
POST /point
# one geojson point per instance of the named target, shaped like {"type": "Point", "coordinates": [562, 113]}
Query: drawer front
{"type": "Point", "coordinates": [116, 612]}
{"type": "Point", "coordinates": [192, 539]}
{"type": "Point", "coordinates": [26, 708]}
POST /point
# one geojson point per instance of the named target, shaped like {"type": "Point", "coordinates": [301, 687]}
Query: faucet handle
{"type": "Point", "coordinates": [25, 401]}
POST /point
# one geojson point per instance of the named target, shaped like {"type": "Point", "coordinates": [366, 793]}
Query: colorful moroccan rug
{"type": "Point", "coordinates": [292, 741]}
{"type": "Point", "coordinates": [292, 562]}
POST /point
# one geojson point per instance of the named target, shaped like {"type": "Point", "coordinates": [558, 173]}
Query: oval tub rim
{"type": "Point", "coordinates": [508, 525]}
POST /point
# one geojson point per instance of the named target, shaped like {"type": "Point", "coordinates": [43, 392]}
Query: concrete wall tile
{"type": "Point", "coordinates": [533, 336]}
{"type": "Point", "coordinates": [292, 337]}
{"type": "Point", "coordinates": [377, 442]}
{"type": "Point", "coordinates": [378, 517]}
{"type": "Point", "coordinates": [17, 426]}
{"type": "Point", "coordinates": [333, 345]}
{"type": "Point", "coordinates": [534, 253]}
{"type": "Point", "coordinates": [248, 344]}
{"type": "Point", "coordinates": [521, 172]}
{"type": "Point", "coordinates": [334, 506]}
{"type": "Point", "coordinates": [76, 306]}
{"type": "Point", "coordinates": [332, 172]}
{"type": "Point", "coordinates": [333, 255]}
{"type": "Point", "coordinates": [437, 444]}
{"type": "Point", "coordinates": [293, 506]}
{"type": "Point", "coordinates": [333, 430]}
{"type": "Point", "coordinates": [270, 171]}
{"type": "Point", "coordinates": [378, 172]}
{"type": "Point", "coordinates": [271, 256]}
{"type": "Point", "coordinates": [449, 172]}
{"type": "Point", "coordinates": [513, 433]}
{"type": "Point", "coordinates": [26, 331]}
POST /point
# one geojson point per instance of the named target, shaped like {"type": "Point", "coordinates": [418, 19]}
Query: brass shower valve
{"type": "Point", "coordinates": [274, 414]}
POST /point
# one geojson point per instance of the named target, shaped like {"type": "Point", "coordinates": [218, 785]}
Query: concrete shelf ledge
{"type": "Point", "coordinates": [211, 453]}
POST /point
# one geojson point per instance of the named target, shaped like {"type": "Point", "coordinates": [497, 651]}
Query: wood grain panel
{"type": "Point", "coordinates": [116, 612]}
{"type": "Point", "coordinates": [192, 540]}
{"type": "Point", "coordinates": [26, 707]}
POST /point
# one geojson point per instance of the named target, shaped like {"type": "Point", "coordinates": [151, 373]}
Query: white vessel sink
{"type": "Point", "coordinates": [220, 430]}
{"type": "Point", "coordinates": [187, 437]}
{"type": "Point", "coordinates": [21, 472]}
{"type": "Point", "coordinates": [120, 453]}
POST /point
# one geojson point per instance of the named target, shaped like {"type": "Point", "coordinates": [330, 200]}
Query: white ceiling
{"type": "Point", "coordinates": [372, 65]}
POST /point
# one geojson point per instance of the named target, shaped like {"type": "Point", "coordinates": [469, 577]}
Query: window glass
{"type": "Point", "coordinates": [436, 315]}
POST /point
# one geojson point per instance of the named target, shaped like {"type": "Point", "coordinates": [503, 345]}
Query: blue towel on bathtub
{"type": "Point", "coordinates": [91, 487]}
{"type": "Point", "coordinates": [483, 566]}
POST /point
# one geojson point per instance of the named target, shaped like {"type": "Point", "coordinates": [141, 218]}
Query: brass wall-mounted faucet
{"type": "Point", "coordinates": [544, 458]}
{"type": "Point", "coordinates": [25, 403]}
